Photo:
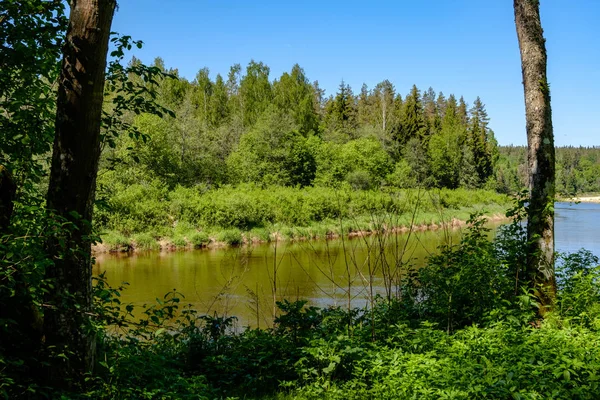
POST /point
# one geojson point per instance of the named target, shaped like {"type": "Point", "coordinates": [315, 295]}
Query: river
{"type": "Point", "coordinates": [240, 281]}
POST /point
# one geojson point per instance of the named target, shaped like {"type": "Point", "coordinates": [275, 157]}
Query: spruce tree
{"type": "Point", "coordinates": [461, 111]}
{"type": "Point", "coordinates": [413, 121]}
{"type": "Point", "coordinates": [478, 140]}
{"type": "Point", "coordinates": [341, 113]}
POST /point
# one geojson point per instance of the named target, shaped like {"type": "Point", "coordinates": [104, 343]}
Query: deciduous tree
{"type": "Point", "coordinates": [541, 153]}
{"type": "Point", "coordinates": [72, 185]}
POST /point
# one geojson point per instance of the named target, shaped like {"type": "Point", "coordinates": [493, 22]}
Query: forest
{"type": "Point", "coordinates": [94, 148]}
{"type": "Point", "coordinates": [250, 128]}
{"type": "Point", "coordinates": [238, 149]}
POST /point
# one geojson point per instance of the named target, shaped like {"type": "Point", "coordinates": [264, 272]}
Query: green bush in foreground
{"type": "Point", "coordinates": [457, 330]}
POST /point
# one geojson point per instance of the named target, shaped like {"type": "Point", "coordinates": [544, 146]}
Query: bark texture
{"type": "Point", "coordinates": [72, 185]}
{"type": "Point", "coordinates": [541, 153]}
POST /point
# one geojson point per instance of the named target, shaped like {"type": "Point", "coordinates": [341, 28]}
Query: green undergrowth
{"type": "Point", "coordinates": [464, 326]}
{"type": "Point", "coordinates": [193, 217]}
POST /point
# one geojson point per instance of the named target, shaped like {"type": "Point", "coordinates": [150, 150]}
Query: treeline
{"type": "Point", "coordinates": [248, 128]}
{"type": "Point", "coordinates": [577, 170]}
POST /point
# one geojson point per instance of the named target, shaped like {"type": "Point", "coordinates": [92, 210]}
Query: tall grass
{"type": "Point", "coordinates": [283, 212]}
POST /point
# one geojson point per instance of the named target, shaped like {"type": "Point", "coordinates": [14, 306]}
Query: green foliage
{"type": "Point", "coordinates": [145, 241]}
{"type": "Point", "coordinates": [461, 284]}
{"type": "Point", "coordinates": [150, 208]}
{"type": "Point", "coordinates": [578, 278]}
{"type": "Point", "coordinates": [133, 208]}
{"type": "Point", "coordinates": [230, 236]}
{"type": "Point", "coordinates": [32, 33]}
{"type": "Point", "coordinates": [413, 123]}
{"type": "Point", "coordinates": [445, 155]}
{"type": "Point", "coordinates": [365, 156]}
{"type": "Point", "coordinates": [116, 241]}
{"type": "Point", "coordinates": [359, 180]}
{"type": "Point", "coordinates": [199, 239]}
{"type": "Point", "coordinates": [273, 152]}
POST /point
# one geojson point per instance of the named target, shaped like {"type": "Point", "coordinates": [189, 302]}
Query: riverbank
{"type": "Point", "coordinates": [115, 243]}
{"type": "Point", "coordinates": [254, 215]}
{"type": "Point", "coordinates": [581, 199]}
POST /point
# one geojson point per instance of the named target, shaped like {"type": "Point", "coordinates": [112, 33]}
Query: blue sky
{"type": "Point", "coordinates": [465, 47]}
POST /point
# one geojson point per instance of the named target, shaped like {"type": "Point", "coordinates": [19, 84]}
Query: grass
{"type": "Point", "coordinates": [145, 241]}
{"type": "Point", "coordinates": [248, 214]}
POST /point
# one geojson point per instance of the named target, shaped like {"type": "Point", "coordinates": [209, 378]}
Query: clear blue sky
{"type": "Point", "coordinates": [465, 47]}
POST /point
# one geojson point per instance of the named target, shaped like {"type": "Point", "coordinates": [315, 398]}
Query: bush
{"type": "Point", "coordinates": [230, 236]}
{"type": "Point", "coordinates": [145, 241]}
{"type": "Point", "coordinates": [115, 241]}
{"type": "Point", "coordinates": [199, 239]}
{"type": "Point", "coordinates": [248, 207]}
{"type": "Point", "coordinates": [359, 180]}
{"type": "Point", "coordinates": [179, 241]}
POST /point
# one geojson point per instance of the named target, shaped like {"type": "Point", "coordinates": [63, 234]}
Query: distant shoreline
{"type": "Point", "coordinates": [582, 199]}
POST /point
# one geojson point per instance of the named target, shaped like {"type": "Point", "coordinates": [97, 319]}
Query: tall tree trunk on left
{"type": "Point", "coordinates": [541, 153]}
{"type": "Point", "coordinates": [71, 191]}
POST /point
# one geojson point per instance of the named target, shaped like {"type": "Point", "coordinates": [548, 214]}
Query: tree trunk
{"type": "Point", "coordinates": [72, 185]}
{"type": "Point", "coordinates": [541, 154]}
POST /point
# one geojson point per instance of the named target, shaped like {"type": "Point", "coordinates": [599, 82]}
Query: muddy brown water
{"type": "Point", "coordinates": [245, 281]}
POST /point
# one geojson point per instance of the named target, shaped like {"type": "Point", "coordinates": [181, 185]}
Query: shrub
{"type": "Point", "coordinates": [179, 241]}
{"type": "Point", "coordinates": [116, 241]}
{"type": "Point", "coordinates": [199, 239]}
{"type": "Point", "coordinates": [145, 241]}
{"type": "Point", "coordinates": [230, 236]}
{"type": "Point", "coordinates": [359, 180]}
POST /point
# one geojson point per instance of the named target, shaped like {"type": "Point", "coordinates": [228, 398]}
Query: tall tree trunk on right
{"type": "Point", "coordinates": [541, 153]}
{"type": "Point", "coordinates": [72, 185]}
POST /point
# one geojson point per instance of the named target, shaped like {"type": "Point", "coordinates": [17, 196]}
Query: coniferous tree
{"type": "Point", "coordinates": [430, 112]}
{"type": "Point", "coordinates": [462, 112]}
{"type": "Point", "coordinates": [441, 105]}
{"type": "Point", "coordinates": [478, 140]}
{"type": "Point", "coordinates": [341, 113]}
{"type": "Point", "coordinates": [202, 98]}
{"type": "Point", "coordinates": [364, 106]}
{"type": "Point", "coordinates": [413, 121]}
{"type": "Point", "coordinates": [319, 98]}
{"type": "Point", "coordinates": [451, 111]}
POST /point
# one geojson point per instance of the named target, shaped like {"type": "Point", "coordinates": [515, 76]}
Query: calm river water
{"type": "Point", "coordinates": [240, 281]}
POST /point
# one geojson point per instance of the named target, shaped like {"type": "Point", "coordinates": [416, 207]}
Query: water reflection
{"type": "Point", "coordinates": [246, 281]}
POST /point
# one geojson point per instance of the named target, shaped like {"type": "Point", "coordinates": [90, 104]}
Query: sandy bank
{"type": "Point", "coordinates": [582, 199]}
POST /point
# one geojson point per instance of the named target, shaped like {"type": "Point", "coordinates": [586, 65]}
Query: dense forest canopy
{"type": "Point", "coordinates": [247, 127]}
